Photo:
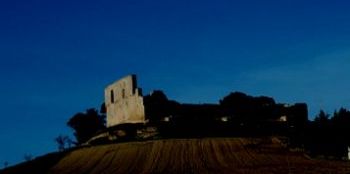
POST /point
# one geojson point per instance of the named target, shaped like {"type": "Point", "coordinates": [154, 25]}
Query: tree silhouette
{"type": "Point", "coordinates": [245, 108]}
{"type": "Point", "coordinates": [341, 122]}
{"type": "Point", "coordinates": [103, 109]}
{"type": "Point", "coordinates": [328, 136]}
{"type": "Point", "coordinates": [63, 142]}
{"type": "Point", "coordinates": [157, 105]}
{"type": "Point", "coordinates": [322, 118]}
{"type": "Point", "coordinates": [86, 124]}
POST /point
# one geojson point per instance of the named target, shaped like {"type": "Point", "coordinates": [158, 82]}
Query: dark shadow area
{"type": "Point", "coordinates": [39, 165]}
{"type": "Point", "coordinates": [237, 114]}
{"type": "Point", "coordinates": [328, 137]}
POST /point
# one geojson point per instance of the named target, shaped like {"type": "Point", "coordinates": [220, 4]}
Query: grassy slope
{"type": "Point", "coordinates": [210, 155]}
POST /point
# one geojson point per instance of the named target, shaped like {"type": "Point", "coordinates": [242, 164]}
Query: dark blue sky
{"type": "Point", "coordinates": [57, 57]}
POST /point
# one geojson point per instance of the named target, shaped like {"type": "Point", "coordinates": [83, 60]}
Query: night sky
{"type": "Point", "coordinates": [57, 57]}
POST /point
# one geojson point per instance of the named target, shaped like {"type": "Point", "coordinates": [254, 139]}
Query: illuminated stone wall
{"type": "Point", "coordinates": [124, 102]}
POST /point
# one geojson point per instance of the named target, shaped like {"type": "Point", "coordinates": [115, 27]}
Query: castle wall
{"type": "Point", "coordinates": [124, 102]}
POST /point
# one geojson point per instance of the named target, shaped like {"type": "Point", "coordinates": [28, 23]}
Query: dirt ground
{"type": "Point", "coordinates": [208, 155]}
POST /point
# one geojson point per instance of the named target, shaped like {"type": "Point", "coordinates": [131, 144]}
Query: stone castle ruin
{"type": "Point", "coordinates": [124, 102]}
{"type": "Point", "coordinates": [236, 112]}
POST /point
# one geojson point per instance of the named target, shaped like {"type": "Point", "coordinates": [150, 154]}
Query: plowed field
{"type": "Point", "coordinates": [211, 155]}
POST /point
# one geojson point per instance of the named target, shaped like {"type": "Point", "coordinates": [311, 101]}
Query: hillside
{"type": "Point", "coordinates": [209, 155]}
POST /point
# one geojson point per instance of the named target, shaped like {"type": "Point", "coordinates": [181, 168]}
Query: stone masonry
{"type": "Point", "coordinates": [124, 102]}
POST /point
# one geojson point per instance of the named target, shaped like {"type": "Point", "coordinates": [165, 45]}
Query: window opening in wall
{"type": "Point", "coordinates": [112, 96]}
{"type": "Point", "coordinates": [123, 93]}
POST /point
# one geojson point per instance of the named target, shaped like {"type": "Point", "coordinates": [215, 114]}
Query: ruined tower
{"type": "Point", "coordinates": [124, 102]}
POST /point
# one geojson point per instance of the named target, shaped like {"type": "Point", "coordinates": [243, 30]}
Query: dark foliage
{"type": "Point", "coordinates": [157, 106]}
{"type": "Point", "coordinates": [329, 136]}
{"type": "Point", "coordinates": [237, 114]}
{"type": "Point", "coordinates": [103, 109]}
{"type": "Point", "coordinates": [86, 124]}
{"type": "Point", "coordinates": [247, 108]}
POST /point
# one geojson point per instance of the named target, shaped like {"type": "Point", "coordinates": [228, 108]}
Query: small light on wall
{"type": "Point", "coordinates": [224, 119]}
